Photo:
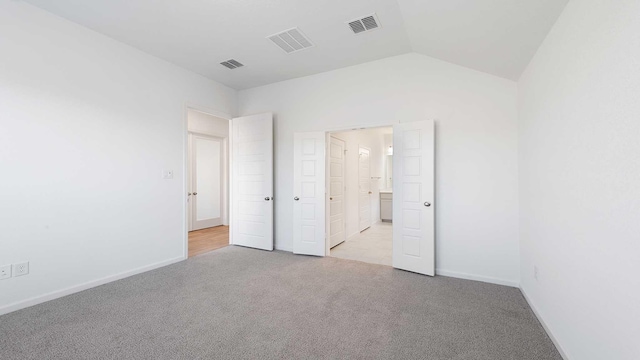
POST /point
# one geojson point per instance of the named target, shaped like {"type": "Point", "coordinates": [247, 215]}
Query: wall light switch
{"type": "Point", "coordinates": [21, 269]}
{"type": "Point", "coordinates": [5, 272]}
{"type": "Point", "coordinates": [167, 174]}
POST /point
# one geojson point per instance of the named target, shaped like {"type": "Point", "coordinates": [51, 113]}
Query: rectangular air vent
{"type": "Point", "coordinates": [231, 64]}
{"type": "Point", "coordinates": [291, 40]}
{"type": "Point", "coordinates": [364, 24]}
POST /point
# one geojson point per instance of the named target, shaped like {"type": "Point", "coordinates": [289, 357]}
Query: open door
{"type": "Point", "coordinates": [309, 193]}
{"type": "Point", "coordinates": [337, 217]}
{"type": "Point", "coordinates": [413, 197]}
{"type": "Point", "coordinates": [252, 181]}
{"type": "Point", "coordinates": [364, 188]}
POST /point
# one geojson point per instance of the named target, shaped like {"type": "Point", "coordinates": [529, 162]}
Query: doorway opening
{"type": "Point", "coordinates": [359, 186]}
{"type": "Point", "coordinates": [207, 182]}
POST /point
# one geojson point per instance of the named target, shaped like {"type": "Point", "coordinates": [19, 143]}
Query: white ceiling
{"type": "Point", "coordinates": [498, 37]}
{"type": "Point", "coordinates": [495, 36]}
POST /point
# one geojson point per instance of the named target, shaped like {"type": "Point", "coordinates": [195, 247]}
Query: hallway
{"type": "Point", "coordinates": [205, 240]}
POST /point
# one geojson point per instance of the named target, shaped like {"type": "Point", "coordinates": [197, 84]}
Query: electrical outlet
{"type": "Point", "coordinates": [535, 272]}
{"type": "Point", "coordinates": [5, 272]}
{"type": "Point", "coordinates": [21, 269]}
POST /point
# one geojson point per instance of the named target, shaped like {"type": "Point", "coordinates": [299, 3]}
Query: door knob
{"type": "Point", "coordinates": [195, 193]}
{"type": "Point", "coordinates": [370, 192]}
{"type": "Point", "coordinates": [330, 198]}
{"type": "Point", "coordinates": [267, 198]}
{"type": "Point", "coordinates": [296, 198]}
{"type": "Point", "coordinates": [189, 194]}
{"type": "Point", "coordinates": [427, 204]}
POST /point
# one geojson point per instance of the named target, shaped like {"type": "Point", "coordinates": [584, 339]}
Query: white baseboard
{"type": "Point", "coordinates": [544, 325]}
{"type": "Point", "coordinates": [486, 279]}
{"type": "Point", "coordinates": [88, 285]}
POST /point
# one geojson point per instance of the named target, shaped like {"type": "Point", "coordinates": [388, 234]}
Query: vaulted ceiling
{"type": "Point", "coordinates": [495, 36]}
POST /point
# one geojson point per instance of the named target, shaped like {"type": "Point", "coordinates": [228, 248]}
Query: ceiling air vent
{"type": "Point", "coordinates": [364, 24]}
{"type": "Point", "coordinates": [291, 40]}
{"type": "Point", "coordinates": [231, 64]}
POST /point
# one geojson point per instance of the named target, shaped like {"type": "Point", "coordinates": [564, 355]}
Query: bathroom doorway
{"type": "Point", "coordinates": [360, 195]}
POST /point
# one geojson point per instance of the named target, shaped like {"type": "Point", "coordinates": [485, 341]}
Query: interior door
{"type": "Point", "coordinates": [252, 181]}
{"type": "Point", "coordinates": [309, 193]}
{"type": "Point", "coordinates": [337, 233]}
{"type": "Point", "coordinates": [364, 186]}
{"type": "Point", "coordinates": [206, 181]}
{"type": "Point", "coordinates": [413, 197]}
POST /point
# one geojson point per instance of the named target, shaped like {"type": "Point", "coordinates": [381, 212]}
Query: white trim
{"type": "Point", "coordinates": [544, 325]}
{"type": "Point", "coordinates": [208, 133]}
{"type": "Point", "coordinates": [345, 128]}
{"type": "Point", "coordinates": [88, 285]}
{"type": "Point", "coordinates": [486, 279]}
{"type": "Point", "coordinates": [208, 111]}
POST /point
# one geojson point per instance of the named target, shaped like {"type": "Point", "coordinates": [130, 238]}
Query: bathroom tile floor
{"type": "Point", "coordinates": [373, 245]}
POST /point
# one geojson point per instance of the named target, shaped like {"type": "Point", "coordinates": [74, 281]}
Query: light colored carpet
{"type": "Point", "coordinates": [238, 303]}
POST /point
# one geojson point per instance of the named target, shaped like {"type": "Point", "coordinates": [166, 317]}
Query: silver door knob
{"type": "Point", "coordinates": [267, 198]}
{"type": "Point", "coordinates": [296, 198]}
{"type": "Point", "coordinates": [195, 193]}
{"type": "Point", "coordinates": [189, 194]}
{"type": "Point", "coordinates": [427, 204]}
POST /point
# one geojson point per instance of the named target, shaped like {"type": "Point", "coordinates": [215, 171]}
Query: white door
{"type": "Point", "coordinates": [337, 233]}
{"type": "Point", "coordinates": [252, 181]}
{"type": "Point", "coordinates": [364, 186]}
{"type": "Point", "coordinates": [309, 193]}
{"type": "Point", "coordinates": [413, 197]}
{"type": "Point", "coordinates": [206, 181]}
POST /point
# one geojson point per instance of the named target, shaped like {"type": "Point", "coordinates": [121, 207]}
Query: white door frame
{"type": "Point", "coordinates": [186, 167]}
{"type": "Point", "coordinates": [328, 134]}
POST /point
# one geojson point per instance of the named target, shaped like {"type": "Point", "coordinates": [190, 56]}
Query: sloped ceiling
{"type": "Point", "coordinates": [495, 36]}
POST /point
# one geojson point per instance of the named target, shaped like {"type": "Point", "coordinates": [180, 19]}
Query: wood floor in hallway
{"type": "Point", "coordinates": [205, 240]}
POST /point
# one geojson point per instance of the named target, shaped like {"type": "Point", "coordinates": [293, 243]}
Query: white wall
{"type": "Point", "coordinates": [203, 123]}
{"type": "Point", "coordinates": [579, 159]}
{"type": "Point", "coordinates": [374, 140]}
{"type": "Point", "coordinates": [476, 148]}
{"type": "Point", "coordinates": [87, 125]}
